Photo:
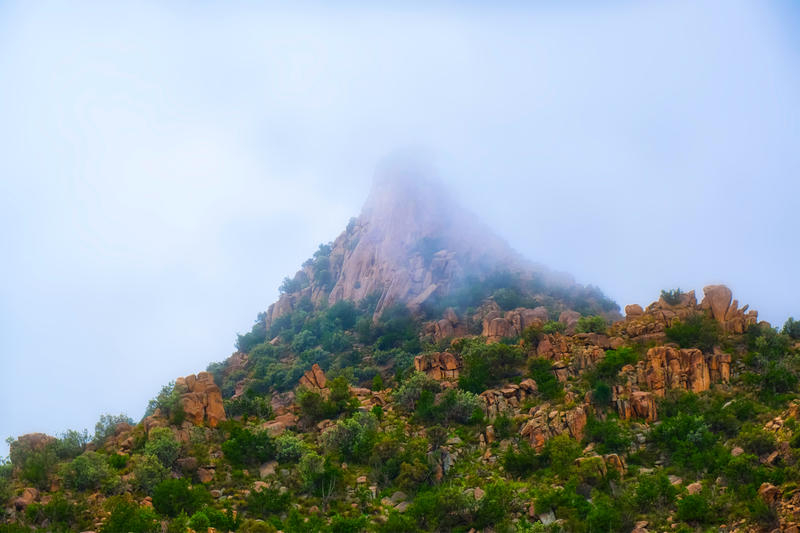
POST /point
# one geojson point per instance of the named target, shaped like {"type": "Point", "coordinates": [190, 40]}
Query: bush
{"type": "Point", "coordinates": [608, 434]}
{"type": "Point", "coordinates": [697, 331]}
{"type": "Point", "coordinates": [672, 297]}
{"type": "Point", "coordinates": [289, 447]}
{"type": "Point", "coordinates": [168, 402]}
{"type": "Point", "coordinates": [688, 440]}
{"type": "Point", "coordinates": [609, 367]}
{"type": "Point", "coordinates": [541, 370]}
{"type": "Point", "coordinates": [604, 516]}
{"type": "Point", "coordinates": [126, 515]}
{"type": "Point", "coordinates": [553, 326]}
{"type": "Point", "coordinates": [352, 438]}
{"type": "Point", "coordinates": [591, 324]}
{"type": "Point", "coordinates": [173, 496]}
{"type": "Point", "coordinates": [36, 462]}
{"type": "Point", "coordinates": [85, 472]}
{"type": "Point", "coordinates": [162, 445]}
{"type": "Point", "coordinates": [495, 506]}
{"type": "Point", "coordinates": [654, 492]}
{"type": "Point", "coordinates": [792, 328]}
{"type": "Point", "coordinates": [148, 472]}
{"type": "Point", "coordinates": [71, 444]}
{"type": "Point", "coordinates": [694, 508]}
{"type": "Point", "coordinates": [488, 364]}
{"type": "Point", "coordinates": [107, 426]}
{"type": "Point", "coordinates": [267, 501]}
{"type": "Point", "coordinates": [248, 448]}
{"type": "Point", "coordinates": [459, 406]}
{"type": "Point", "coordinates": [249, 404]}
{"type": "Point", "coordinates": [756, 440]}
{"type": "Point", "coordinates": [601, 394]}
{"type": "Point", "coordinates": [409, 392]}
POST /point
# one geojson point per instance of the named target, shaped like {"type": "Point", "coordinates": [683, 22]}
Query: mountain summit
{"type": "Point", "coordinates": [412, 243]}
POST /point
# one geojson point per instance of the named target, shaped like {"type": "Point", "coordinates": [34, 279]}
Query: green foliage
{"type": "Point", "coordinates": [377, 383]}
{"type": "Point", "coordinates": [126, 515]}
{"type": "Point", "coordinates": [654, 492]}
{"type": "Point", "coordinates": [495, 505]}
{"type": "Point", "coordinates": [289, 447]}
{"type": "Point", "coordinates": [541, 370]}
{"type": "Point", "coordinates": [604, 516]}
{"type": "Point", "coordinates": [352, 438]}
{"type": "Point", "coordinates": [755, 439]}
{"type": "Point", "coordinates": [442, 508]}
{"type": "Point", "coordinates": [318, 474]}
{"type": "Point", "coordinates": [487, 364]}
{"type": "Point", "coordinates": [267, 501]}
{"type": "Point", "coordinates": [601, 394]}
{"type": "Point", "coordinates": [791, 328]}
{"type": "Point", "coordinates": [163, 445]}
{"type": "Point", "coordinates": [36, 463]}
{"type": "Point", "coordinates": [591, 324]}
{"type": "Point", "coordinates": [249, 404]}
{"type": "Point", "coordinates": [60, 514]}
{"type": "Point", "coordinates": [614, 360]}
{"type": "Point", "coordinates": [553, 326]}
{"type": "Point", "coordinates": [688, 440]}
{"type": "Point", "coordinates": [107, 426]}
{"type": "Point", "coordinates": [509, 299]}
{"type": "Point", "coordinates": [313, 407]}
{"type": "Point", "coordinates": [173, 496]}
{"type": "Point", "coordinates": [244, 447]}
{"type": "Point", "coordinates": [87, 471]}
{"type": "Point", "coordinates": [168, 402]}
{"type": "Point", "coordinates": [409, 392]}
{"type": "Point", "coordinates": [697, 331]}
{"type": "Point", "coordinates": [608, 435]}
{"type": "Point", "coordinates": [71, 444]}
{"type": "Point", "coordinates": [672, 297]}
{"type": "Point", "coordinates": [694, 508]}
{"type": "Point", "coordinates": [148, 472]}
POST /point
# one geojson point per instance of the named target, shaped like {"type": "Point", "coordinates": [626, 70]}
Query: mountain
{"type": "Point", "coordinates": [412, 243]}
{"type": "Point", "coordinates": [417, 374]}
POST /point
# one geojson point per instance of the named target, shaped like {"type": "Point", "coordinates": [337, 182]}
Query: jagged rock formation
{"type": "Point", "coordinates": [412, 244]}
{"type": "Point", "coordinates": [498, 325]}
{"type": "Point", "coordinates": [201, 399]}
{"type": "Point", "coordinates": [649, 324]}
{"type": "Point", "coordinates": [546, 422]}
{"type": "Point", "coordinates": [439, 365]}
{"type": "Point", "coordinates": [314, 379]}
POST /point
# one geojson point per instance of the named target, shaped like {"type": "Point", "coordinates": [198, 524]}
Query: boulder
{"type": "Point", "coordinates": [769, 494]}
{"type": "Point", "coordinates": [314, 379]}
{"type": "Point", "coordinates": [201, 399]}
{"type": "Point", "coordinates": [633, 310]}
{"type": "Point", "coordinates": [28, 496]}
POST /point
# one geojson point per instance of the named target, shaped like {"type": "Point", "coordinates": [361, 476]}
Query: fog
{"type": "Point", "coordinates": [164, 166]}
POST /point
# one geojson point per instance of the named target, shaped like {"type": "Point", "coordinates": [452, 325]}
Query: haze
{"type": "Point", "coordinates": [163, 167]}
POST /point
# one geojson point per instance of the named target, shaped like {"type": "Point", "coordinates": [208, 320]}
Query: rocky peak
{"type": "Point", "coordinates": [411, 242]}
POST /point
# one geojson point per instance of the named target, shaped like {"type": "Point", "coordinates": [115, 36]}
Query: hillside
{"type": "Point", "coordinates": [417, 374]}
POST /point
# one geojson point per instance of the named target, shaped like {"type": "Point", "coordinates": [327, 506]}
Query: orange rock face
{"type": "Point", "coordinates": [201, 399]}
{"type": "Point", "coordinates": [498, 325]}
{"type": "Point", "coordinates": [439, 365]}
{"type": "Point", "coordinates": [314, 379]}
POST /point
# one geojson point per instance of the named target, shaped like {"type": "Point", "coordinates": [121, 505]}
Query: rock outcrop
{"type": "Point", "coordinates": [439, 365]}
{"type": "Point", "coordinates": [314, 379]}
{"type": "Point", "coordinates": [498, 325]}
{"type": "Point", "coordinates": [649, 324]}
{"type": "Point", "coordinates": [665, 368]}
{"type": "Point", "coordinates": [546, 422]}
{"type": "Point", "coordinates": [201, 399]}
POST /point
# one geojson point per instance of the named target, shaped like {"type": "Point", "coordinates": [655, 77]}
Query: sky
{"type": "Point", "coordinates": [164, 165]}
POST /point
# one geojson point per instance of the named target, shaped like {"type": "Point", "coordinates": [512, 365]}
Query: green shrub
{"type": "Point", "coordinates": [148, 472]}
{"type": "Point", "coordinates": [697, 331]}
{"type": "Point", "coordinates": [495, 505]}
{"type": "Point", "coordinates": [168, 402]}
{"type": "Point", "coordinates": [488, 364]}
{"type": "Point", "coordinates": [289, 447]}
{"type": "Point", "coordinates": [553, 326]}
{"type": "Point", "coordinates": [541, 370]}
{"type": "Point", "coordinates": [107, 426]}
{"type": "Point", "coordinates": [36, 462]}
{"type": "Point", "coordinates": [756, 440]}
{"type": "Point", "coordinates": [792, 328]}
{"type": "Point", "coordinates": [672, 297]}
{"type": "Point", "coordinates": [318, 474]}
{"type": "Point", "coordinates": [173, 496]}
{"type": "Point", "coordinates": [126, 515]}
{"type": "Point", "coordinates": [249, 404]}
{"type": "Point", "coordinates": [267, 501]}
{"type": "Point", "coordinates": [409, 392]}
{"type": "Point", "coordinates": [199, 521]}
{"type": "Point", "coordinates": [118, 461]}
{"type": "Point", "coordinates": [591, 324]}
{"type": "Point", "coordinates": [688, 440]}
{"type": "Point", "coordinates": [654, 492]}
{"type": "Point", "coordinates": [442, 508]}
{"type": "Point", "coordinates": [694, 508]}
{"type": "Point", "coordinates": [608, 435]}
{"type": "Point", "coordinates": [603, 515]}
{"type": "Point", "coordinates": [244, 447]}
{"type": "Point", "coordinates": [163, 445]}
{"type": "Point", "coordinates": [459, 406]}
{"type": "Point", "coordinates": [352, 438]}
{"type": "Point", "coordinates": [601, 394]}
{"type": "Point", "coordinates": [87, 471]}
{"type": "Point", "coordinates": [71, 444]}
{"type": "Point", "coordinates": [608, 368]}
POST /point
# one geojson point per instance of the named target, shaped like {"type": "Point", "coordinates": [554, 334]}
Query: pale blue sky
{"type": "Point", "coordinates": [163, 166]}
